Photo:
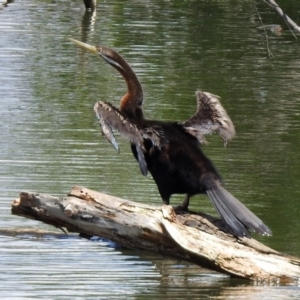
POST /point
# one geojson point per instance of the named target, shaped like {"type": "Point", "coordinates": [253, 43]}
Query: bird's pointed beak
{"type": "Point", "coordinates": [85, 46]}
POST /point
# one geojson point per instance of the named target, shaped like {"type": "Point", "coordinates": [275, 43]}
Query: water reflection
{"type": "Point", "coordinates": [88, 24]}
{"type": "Point", "coordinates": [50, 140]}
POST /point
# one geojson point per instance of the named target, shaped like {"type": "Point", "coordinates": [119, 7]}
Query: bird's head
{"type": "Point", "coordinates": [108, 54]}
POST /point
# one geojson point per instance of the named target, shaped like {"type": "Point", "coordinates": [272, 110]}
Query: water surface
{"type": "Point", "coordinates": [50, 140]}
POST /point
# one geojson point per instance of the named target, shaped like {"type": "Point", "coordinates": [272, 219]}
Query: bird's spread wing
{"type": "Point", "coordinates": [110, 118]}
{"type": "Point", "coordinates": [210, 117]}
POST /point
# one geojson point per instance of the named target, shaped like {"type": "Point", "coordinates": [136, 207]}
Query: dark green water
{"type": "Point", "coordinates": [50, 140]}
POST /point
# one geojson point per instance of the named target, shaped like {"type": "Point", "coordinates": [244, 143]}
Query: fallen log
{"type": "Point", "coordinates": [197, 238]}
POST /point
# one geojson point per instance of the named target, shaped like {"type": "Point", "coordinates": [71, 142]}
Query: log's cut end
{"type": "Point", "coordinates": [25, 199]}
{"type": "Point", "coordinates": [24, 204]}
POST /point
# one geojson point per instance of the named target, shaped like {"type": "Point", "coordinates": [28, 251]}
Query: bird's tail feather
{"type": "Point", "coordinates": [236, 215]}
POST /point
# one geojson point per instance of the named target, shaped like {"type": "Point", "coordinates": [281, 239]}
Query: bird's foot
{"type": "Point", "coordinates": [180, 209]}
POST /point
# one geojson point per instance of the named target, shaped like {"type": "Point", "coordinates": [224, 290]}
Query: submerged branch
{"type": "Point", "coordinates": [285, 17]}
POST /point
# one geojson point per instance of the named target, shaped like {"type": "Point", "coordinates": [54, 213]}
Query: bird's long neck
{"type": "Point", "coordinates": [134, 95]}
{"type": "Point", "coordinates": [131, 102]}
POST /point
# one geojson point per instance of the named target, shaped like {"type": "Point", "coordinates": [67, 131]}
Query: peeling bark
{"type": "Point", "coordinates": [196, 238]}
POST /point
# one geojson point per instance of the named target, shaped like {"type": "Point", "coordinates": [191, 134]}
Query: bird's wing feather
{"type": "Point", "coordinates": [210, 117]}
{"type": "Point", "coordinates": [235, 214]}
{"type": "Point", "coordinates": [110, 118]}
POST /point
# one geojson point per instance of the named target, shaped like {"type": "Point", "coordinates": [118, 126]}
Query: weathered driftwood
{"type": "Point", "coordinates": [192, 237]}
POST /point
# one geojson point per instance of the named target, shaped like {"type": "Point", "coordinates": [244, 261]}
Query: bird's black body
{"type": "Point", "coordinates": [179, 166]}
{"type": "Point", "coordinates": [171, 151]}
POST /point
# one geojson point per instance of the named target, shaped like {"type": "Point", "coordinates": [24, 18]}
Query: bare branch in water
{"type": "Point", "coordinates": [291, 24]}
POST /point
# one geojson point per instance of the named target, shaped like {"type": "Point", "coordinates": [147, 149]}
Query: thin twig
{"type": "Point", "coordinates": [266, 34]}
